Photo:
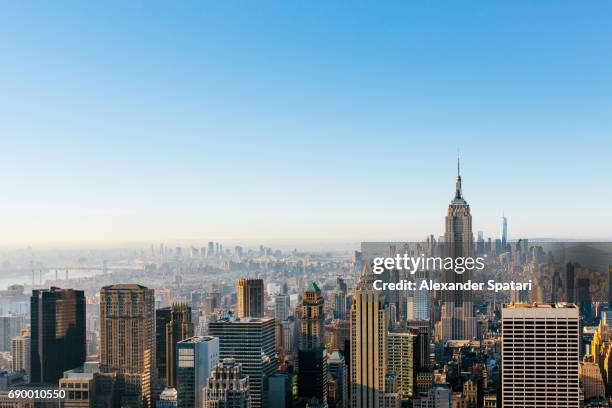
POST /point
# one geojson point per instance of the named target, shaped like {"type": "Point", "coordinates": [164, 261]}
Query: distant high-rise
{"type": "Point", "coordinates": [250, 341]}
{"type": "Point", "coordinates": [312, 357]}
{"type": "Point", "coordinates": [173, 324]}
{"type": "Point", "coordinates": [250, 298]}
{"type": "Point", "coordinates": [196, 357]}
{"type": "Point", "coordinates": [340, 299]}
{"type": "Point", "coordinates": [369, 323]}
{"type": "Point", "coordinates": [610, 286]}
{"type": "Point", "coordinates": [10, 326]}
{"type": "Point", "coordinates": [570, 283]}
{"type": "Point", "coordinates": [227, 386]}
{"type": "Point", "coordinates": [458, 321]}
{"type": "Point", "coordinates": [540, 356]}
{"type": "Point", "coordinates": [57, 340]}
{"type": "Point", "coordinates": [20, 350]}
{"type": "Point", "coordinates": [127, 339]}
{"type": "Point", "coordinates": [421, 298]}
{"type": "Point", "coordinates": [282, 307]}
{"type": "Point", "coordinates": [504, 231]}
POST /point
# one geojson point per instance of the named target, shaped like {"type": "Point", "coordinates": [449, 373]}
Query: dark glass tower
{"type": "Point", "coordinates": [173, 324]}
{"type": "Point", "coordinates": [312, 358]}
{"type": "Point", "coordinates": [57, 341]}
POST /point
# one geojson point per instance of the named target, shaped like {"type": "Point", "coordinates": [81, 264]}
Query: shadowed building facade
{"type": "Point", "coordinates": [172, 324]}
{"type": "Point", "coordinates": [57, 340]}
{"type": "Point", "coordinates": [312, 357]}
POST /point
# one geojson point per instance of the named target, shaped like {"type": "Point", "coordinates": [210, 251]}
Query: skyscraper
{"type": "Point", "coordinates": [540, 356]}
{"type": "Point", "coordinates": [282, 307]}
{"type": "Point", "coordinates": [173, 324]}
{"type": "Point", "coordinates": [196, 357]}
{"type": "Point", "coordinates": [570, 282]}
{"type": "Point", "coordinates": [227, 386]}
{"type": "Point", "coordinates": [340, 299]}
{"type": "Point", "coordinates": [610, 286]}
{"type": "Point", "coordinates": [504, 231]}
{"type": "Point", "coordinates": [338, 381]}
{"type": "Point", "coordinates": [57, 341]}
{"type": "Point", "coordinates": [369, 323]}
{"type": "Point", "coordinates": [312, 357]}
{"type": "Point", "coordinates": [250, 298]}
{"type": "Point", "coordinates": [421, 297]}
{"type": "Point", "coordinates": [250, 341]}
{"type": "Point", "coordinates": [10, 326]}
{"type": "Point", "coordinates": [402, 348]}
{"type": "Point", "coordinates": [127, 339]}
{"type": "Point", "coordinates": [20, 350]}
{"type": "Point", "coordinates": [458, 321]}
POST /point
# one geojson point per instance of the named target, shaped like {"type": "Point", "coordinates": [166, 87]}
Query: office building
{"type": "Point", "coordinates": [127, 340]}
{"type": "Point", "coordinates": [338, 395]}
{"type": "Point", "coordinates": [282, 307]}
{"type": "Point", "coordinates": [173, 324]}
{"type": "Point", "coordinates": [80, 387]}
{"type": "Point", "coordinates": [504, 231]}
{"type": "Point", "coordinates": [369, 323]}
{"type": "Point", "coordinates": [540, 355]}
{"type": "Point", "coordinates": [340, 297]}
{"type": "Point", "coordinates": [280, 391]}
{"type": "Point", "coordinates": [402, 348]}
{"type": "Point", "coordinates": [20, 350]}
{"type": "Point", "coordinates": [312, 357]}
{"type": "Point", "coordinates": [10, 326]}
{"type": "Point", "coordinates": [250, 298]}
{"type": "Point", "coordinates": [57, 339]}
{"type": "Point", "coordinates": [250, 341]}
{"type": "Point", "coordinates": [421, 299]}
{"type": "Point", "coordinates": [591, 380]}
{"type": "Point", "coordinates": [228, 386]}
{"type": "Point", "coordinates": [196, 357]}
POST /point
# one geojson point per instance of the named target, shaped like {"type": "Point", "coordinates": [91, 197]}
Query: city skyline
{"type": "Point", "coordinates": [298, 123]}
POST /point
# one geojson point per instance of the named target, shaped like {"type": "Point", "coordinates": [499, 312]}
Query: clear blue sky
{"type": "Point", "coordinates": [302, 121]}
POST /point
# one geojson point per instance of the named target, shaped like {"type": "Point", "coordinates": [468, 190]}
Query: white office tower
{"type": "Point", "coordinates": [540, 356]}
{"type": "Point", "coordinates": [227, 387]}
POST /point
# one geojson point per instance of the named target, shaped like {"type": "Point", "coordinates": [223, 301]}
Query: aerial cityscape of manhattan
{"type": "Point", "coordinates": [305, 204]}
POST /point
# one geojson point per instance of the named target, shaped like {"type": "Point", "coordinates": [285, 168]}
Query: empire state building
{"type": "Point", "coordinates": [458, 321]}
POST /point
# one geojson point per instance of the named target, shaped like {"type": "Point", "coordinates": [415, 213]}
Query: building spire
{"type": "Point", "coordinates": [458, 183]}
